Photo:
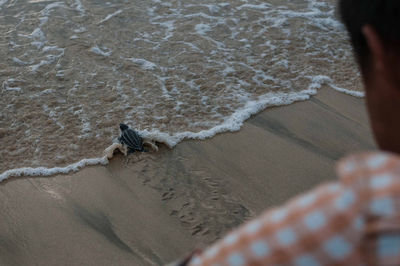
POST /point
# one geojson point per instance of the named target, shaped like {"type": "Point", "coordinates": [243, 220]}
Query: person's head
{"type": "Point", "coordinates": [374, 28]}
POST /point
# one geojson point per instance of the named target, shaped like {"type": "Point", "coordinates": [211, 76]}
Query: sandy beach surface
{"type": "Point", "coordinates": [151, 208]}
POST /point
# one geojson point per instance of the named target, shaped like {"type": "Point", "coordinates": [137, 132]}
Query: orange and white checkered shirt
{"type": "Point", "coordinates": [355, 221]}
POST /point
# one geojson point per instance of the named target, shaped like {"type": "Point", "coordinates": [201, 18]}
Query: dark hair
{"type": "Point", "coordinates": [382, 15]}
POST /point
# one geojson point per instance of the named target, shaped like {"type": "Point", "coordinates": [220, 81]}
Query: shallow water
{"type": "Point", "coordinates": [72, 70]}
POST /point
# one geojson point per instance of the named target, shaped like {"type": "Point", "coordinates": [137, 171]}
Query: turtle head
{"type": "Point", "coordinates": [123, 127]}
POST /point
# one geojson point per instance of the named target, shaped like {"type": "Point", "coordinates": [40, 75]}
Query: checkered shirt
{"type": "Point", "coordinates": [355, 221]}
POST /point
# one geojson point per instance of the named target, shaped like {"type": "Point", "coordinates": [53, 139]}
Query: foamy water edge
{"type": "Point", "coordinates": [231, 124]}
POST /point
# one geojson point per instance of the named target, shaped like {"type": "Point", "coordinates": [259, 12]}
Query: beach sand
{"type": "Point", "coordinates": [151, 208]}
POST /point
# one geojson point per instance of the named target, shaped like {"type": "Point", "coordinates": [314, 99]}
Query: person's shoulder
{"type": "Point", "coordinates": [369, 168]}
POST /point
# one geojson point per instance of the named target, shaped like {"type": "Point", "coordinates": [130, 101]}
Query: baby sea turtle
{"type": "Point", "coordinates": [131, 139]}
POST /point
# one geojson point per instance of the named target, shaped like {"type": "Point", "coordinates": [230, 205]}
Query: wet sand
{"type": "Point", "coordinates": [149, 209]}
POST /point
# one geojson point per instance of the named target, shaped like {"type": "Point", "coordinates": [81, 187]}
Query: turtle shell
{"type": "Point", "coordinates": [131, 139]}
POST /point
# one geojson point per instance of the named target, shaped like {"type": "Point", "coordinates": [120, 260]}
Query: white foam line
{"type": "Point", "coordinates": [97, 50]}
{"type": "Point", "coordinates": [317, 81]}
{"type": "Point", "coordinates": [43, 171]}
{"type": "Point", "coordinates": [236, 120]}
{"type": "Point", "coordinates": [143, 63]}
{"type": "Point", "coordinates": [262, 6]}
{"type": "Point", "coordinates": [359, 94]}
{"type": "Point", "coordinates": [110, 16]}
{"type": "Point", "coordinates": [231, 124]}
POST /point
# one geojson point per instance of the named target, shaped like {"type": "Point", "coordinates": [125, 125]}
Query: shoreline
{"type": "Point", "coordinates": [149, 209]}
{"type": "Point", "coordinates": [233, 124]}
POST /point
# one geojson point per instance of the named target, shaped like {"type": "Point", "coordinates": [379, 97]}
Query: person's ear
{"type": "Point", "coordinates": [375, 46]}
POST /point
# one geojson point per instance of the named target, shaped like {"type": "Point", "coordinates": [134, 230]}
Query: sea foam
{"type": "Point", "coordinates": [43, 171]}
